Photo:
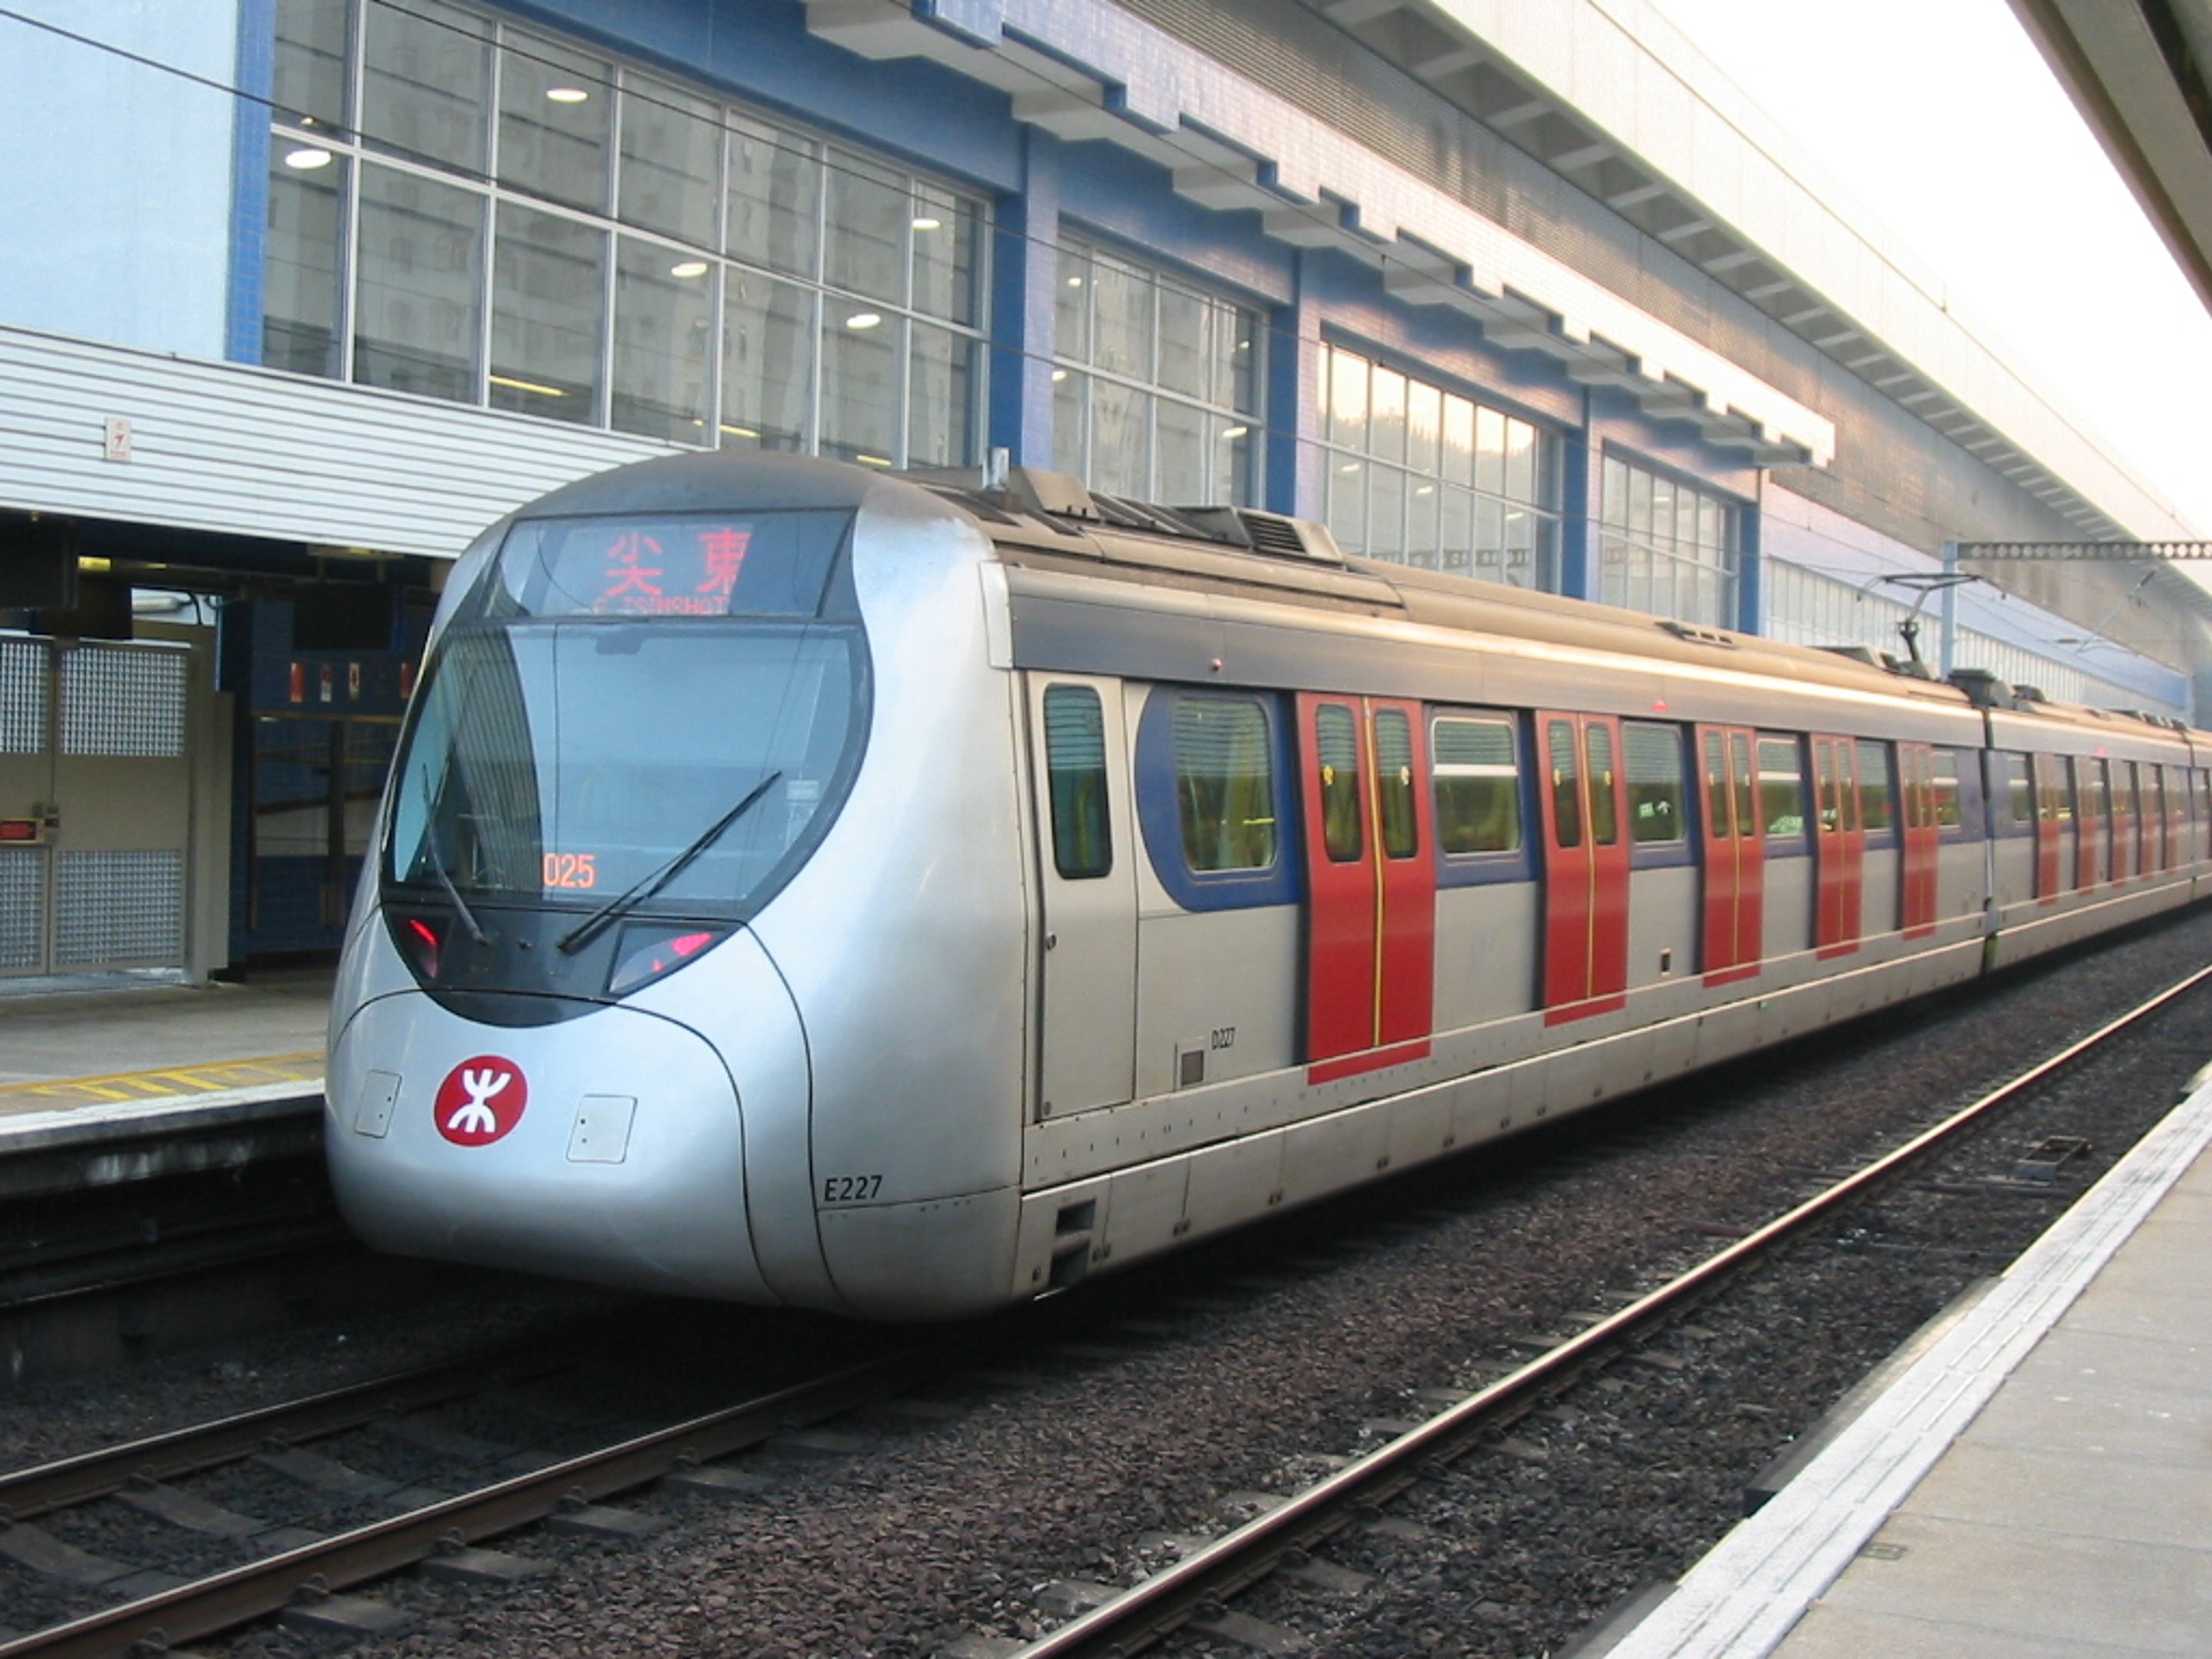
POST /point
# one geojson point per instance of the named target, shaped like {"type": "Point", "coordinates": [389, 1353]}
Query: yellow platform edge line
{"type": "Point", "coordinates": [121, 1085]}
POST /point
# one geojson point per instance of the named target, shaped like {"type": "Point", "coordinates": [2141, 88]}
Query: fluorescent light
{"type": "Point", "coordinates": [567, 95]}
{"type": "Point", "coordinates": [873, 460]}
{"type": "Point", "coordinates": [307, 158]}
{"type": "Point", "coordinates": [528, 385]}
{"type": "Point", "coordinates": [1229, 432]}
{"type": "Point", "coordinates": [864, 320]}
{"type": "Point", "coordinates": [1075, 282]}
{"type": "Point", "coordinates": [1058, 375]}
{"type": "Point", "coordinates": [740, 431]}
{"type": "Point", "coordinates": [689, 268]}
{"type": "Point", "coordinates": [929, 224]}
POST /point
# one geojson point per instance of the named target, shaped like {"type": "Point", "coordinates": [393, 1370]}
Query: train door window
{"type": "Point", "coordinates": [1944, 790]}
{"type": "Point", "coordinates": [1075, 764]}
{"type": "Point", "coordinates": [1224, 783]}
{"type": "Point", "coordinates": [1478, 785]}
{"type": "Point", "coordinates": [1337, 754]}
{"type": "Point", "coordinates": [1747, 822]}
{"type": "Point", "coordinates": [1653, 754]}
{"type": "Point", "coordinates": [1782, 789]}
{"type": "Point", "coordinates": [1605, 827]}
{"type": "Point", "coordinates": [1566, 783]}
{"type": "Point", "coordinates": [1877, 804]}
{"type": "Point", "coordinates": [1393, 782]}
{"type": "Point", "coordinates": [1827, 803]}
{"type": "Point", "coordinates": [2018, 793]}
{"type": "Point", "coordinates": [1717, 813]}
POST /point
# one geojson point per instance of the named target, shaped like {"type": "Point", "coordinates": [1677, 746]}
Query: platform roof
{"type": "Point", "coordinates": [2140, 73]}
{"type": "Point", "coordinates": [1611, 95]}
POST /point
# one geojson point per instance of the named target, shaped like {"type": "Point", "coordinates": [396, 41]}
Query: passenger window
{"type": "Point", "coordinates": [1337, 754]}
{"type": "Point", "coordinates": [1478, 785]}
{"type": "Point", "coordinates": [1876, 794]}
{"type": "Point", "coordinates": [1947, 789]}
{"type": "Point", "coordinates": [1781, 786]}
{"type": "Point", "coordinates": [2017, 790]}
{"type": "Point", "coordinates": [1566, 783]}
{"type": "Point", "coordinates": [1393, 783]}
{"type": "Point", "coordinates": [1655, 782]}
{"type": "Point", "coordinates": [2057, 799]}
{"type": "Point", "coordinates": [1830, 801]}
{"type": "Point", "coordinates": [2123, 789]}
{"type": "Point", "coordinates": [1605, 826]}
{"type": "Point", "coordinates": [1075, 767]}
{"type": "Point", "coordinates": [1225, 783]}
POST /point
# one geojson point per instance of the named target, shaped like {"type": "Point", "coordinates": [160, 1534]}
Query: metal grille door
{"type": "Point", "coordinates": [95, 804]}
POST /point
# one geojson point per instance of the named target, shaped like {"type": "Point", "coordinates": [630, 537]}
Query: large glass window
{"type": "Point", "coordinates": [1421, 475]}
{"type": "Point", "coordinates": [1155, 385]}
{"type": "Point", "coordinates": [418, 296]}
{"type": "Point", "coordinates": [766, 288]}
{"type": "Point", "coordinates": [1666, 547]}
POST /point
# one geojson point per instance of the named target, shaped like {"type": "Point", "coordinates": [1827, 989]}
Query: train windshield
{"type": "Point", "coordinates": [569, 755]}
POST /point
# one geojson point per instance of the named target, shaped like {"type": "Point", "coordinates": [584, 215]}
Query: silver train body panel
{"type": "Point", "coordinates": [934, 1072]}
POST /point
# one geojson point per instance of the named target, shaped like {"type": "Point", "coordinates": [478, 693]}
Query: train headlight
{"type": "Point", "coordinates": [422, 943]}
{"type": "Point", "coordinates": [646, 950]}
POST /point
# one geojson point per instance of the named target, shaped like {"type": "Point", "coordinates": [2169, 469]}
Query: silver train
{"type": "Point", "coordinates": [904, 896]}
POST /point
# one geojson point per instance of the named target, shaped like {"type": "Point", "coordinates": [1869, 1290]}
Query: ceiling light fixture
{"type": "Point", "coordinates": [567, 95]}
{"type": "Point", "coordinates": [307, 158]}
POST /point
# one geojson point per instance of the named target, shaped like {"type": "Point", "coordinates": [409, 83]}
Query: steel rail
{"type": "Point", "coordinates": [1175, 1595]}
{"type": "Point", "coordinates": [227, 1600]}
{"type": "Point", "coordinates": [44, 1487]}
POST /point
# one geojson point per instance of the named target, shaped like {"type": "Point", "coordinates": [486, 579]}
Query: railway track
{"type": "Point", "coordinates": [572, 1488]}
{"type": "Point", "coordinates": [1199, 1590]}
{"type": "Point", "coordinates": [309, 1571]}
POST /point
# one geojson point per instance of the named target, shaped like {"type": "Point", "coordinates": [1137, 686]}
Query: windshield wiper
{"type": "Point", "coordinates": [438, 863]}
{"type": "Point", "coordinates": [646, 886]}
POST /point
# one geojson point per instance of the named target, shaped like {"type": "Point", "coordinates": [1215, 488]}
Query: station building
{"type": "Point", "coordinates": [298, 296]}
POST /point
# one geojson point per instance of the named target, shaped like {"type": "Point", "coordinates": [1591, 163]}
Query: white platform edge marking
{"type": "Point", "coordinates": [1752, 1588]}
{"type": "Point", "coordinates": [41, 1128]}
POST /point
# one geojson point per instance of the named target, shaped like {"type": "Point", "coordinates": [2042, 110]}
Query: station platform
{"type": "Point", "coordinates": [2036, 1484]}
{"type": "Point", "coordinates": [86, 1058]}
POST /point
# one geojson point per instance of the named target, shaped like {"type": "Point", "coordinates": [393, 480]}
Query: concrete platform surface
{"type": "Point", "coordinates": [2037, 1485]}
{"type": "Point", "coordinates": [106, 1043]}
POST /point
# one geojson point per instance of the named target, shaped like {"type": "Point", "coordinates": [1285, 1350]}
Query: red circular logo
{"type": "Point", "coordinates": [481, 1100]}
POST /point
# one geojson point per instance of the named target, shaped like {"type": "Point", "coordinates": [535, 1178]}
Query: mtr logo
{"type": "Point", "coordinates": [480, 1101]}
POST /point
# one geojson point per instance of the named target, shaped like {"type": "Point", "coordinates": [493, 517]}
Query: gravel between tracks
{"type": "Point", "coordinates": [1244, 1368]}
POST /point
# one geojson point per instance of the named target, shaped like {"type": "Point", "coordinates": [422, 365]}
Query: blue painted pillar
{"type": "Point", "coordinates": [1580, 577]}
{"type": "Point", "coordinates": [1751, 574]}
{"type": "Point", "coordinates": [1290, 476]}
{"type": "Point", "coordinates": [249, 182]}
{"type": "Point", "coordinates": [1025, 298]}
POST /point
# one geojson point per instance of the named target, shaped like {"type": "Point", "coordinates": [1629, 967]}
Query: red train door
{"type": "Point", "coordinates": [1585, 866]}
{"type": "Point", "coordinates": [1840, 847]}
{"type": "Point", "coordinates": [1371, 882]}
{"type": "Point", "coordinates": [1920, 834]}
{"type": "Point", "coordinates": [1735, 853]}
{"type": "Point", "coordinates": [2088, 819]}
{"type": "Point", "coordinates": [2122, 775]}
{"type": "Point", "coordinates": [2048, 782]}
